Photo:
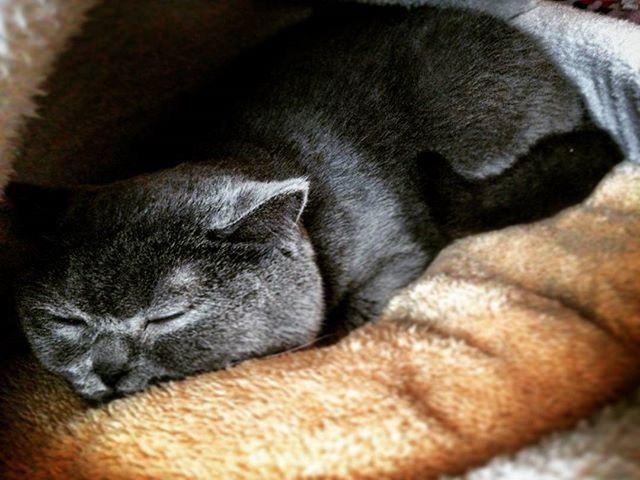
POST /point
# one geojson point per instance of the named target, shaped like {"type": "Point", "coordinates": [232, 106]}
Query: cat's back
{"type": "Point", "coordinates": [394, 81]}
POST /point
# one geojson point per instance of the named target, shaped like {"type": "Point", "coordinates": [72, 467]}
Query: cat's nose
{"type": "Point", "coordinates": [111, 378]}
{"type": "Point", "coordinates": [110, 359]}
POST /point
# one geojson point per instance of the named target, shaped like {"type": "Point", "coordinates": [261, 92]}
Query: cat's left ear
{"type": "Point", "coordinates": [273, 212]}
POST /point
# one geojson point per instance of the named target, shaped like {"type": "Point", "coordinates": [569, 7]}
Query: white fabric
{"type": "Point", "coordinates": [32, 34]}
{"type": "Point", "coordinates": [604, 447]}
{"type": "Point", "coordinates": [601, 55]}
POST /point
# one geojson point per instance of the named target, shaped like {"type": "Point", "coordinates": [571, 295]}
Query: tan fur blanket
{"type": "Point", "coordinates": [508, 336]}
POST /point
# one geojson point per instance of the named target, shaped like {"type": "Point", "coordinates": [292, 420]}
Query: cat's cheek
{"type": "Point", "coordinates": [57, 350]}
{"type": "Point", "coordinates": [89, 386]}
{"type": "Point", "coordinates": [185, 354]}
{"type": "Point", "coordinates": [79, 373]}
{"type": "Point", "coordinates": [69, 334]}
{"type": "Point", "coordinates": [133, 383]}
{"type": "Point", "coordinates": [73, 344]}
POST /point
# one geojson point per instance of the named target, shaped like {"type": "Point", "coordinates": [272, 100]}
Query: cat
{"type": "Point", "coordinates": [342, 157]}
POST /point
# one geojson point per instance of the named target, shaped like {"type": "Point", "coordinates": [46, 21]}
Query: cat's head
{"type": "Point", "coordinates": [166, 275]}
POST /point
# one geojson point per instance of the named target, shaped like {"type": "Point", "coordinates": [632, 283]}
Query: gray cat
{"type": "Point", "coordinates": [350, 151]}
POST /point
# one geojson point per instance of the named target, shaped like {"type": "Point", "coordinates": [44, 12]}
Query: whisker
{"type": "Point", "coordinates": [302, 346]}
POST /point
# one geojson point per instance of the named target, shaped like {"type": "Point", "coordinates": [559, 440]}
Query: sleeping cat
{"type": "Point", "coordinates": [349, 152]}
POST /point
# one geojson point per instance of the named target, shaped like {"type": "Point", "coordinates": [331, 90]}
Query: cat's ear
{"type": "Point", "coordinates": [34, 210]}
{"type": "Point", "coordinates": [272, 212]}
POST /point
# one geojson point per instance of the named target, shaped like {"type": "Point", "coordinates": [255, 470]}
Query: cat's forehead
{"type": "Point", "coordinates": [176, 193]}
{"type": "Point", "coordinates": [124, 293]}
{"type": "Point", "coordinates": [179, 277]}
{"type": "Point", "coordinates": [172, 200]}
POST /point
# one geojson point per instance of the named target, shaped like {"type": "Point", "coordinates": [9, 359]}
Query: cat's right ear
{"type": "Point", "coordinates": [34, 210]}
{"type": "Point", "coordinates": [272, 214]}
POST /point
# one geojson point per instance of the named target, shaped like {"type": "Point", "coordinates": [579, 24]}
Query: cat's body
{"type": "Point", "coordinates": [352, 151]}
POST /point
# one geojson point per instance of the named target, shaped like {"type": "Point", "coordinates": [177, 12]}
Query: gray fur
{"type": "Point", "coordinates": [348, 152]}
{"type": "Point", "coordinates": [148, 255]}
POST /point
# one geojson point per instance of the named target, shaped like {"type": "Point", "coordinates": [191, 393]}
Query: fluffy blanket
{"type": "Point", "coordinates": [508, 336]}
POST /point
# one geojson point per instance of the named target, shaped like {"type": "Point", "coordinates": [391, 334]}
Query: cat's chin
{"type": "Point", "coordinates": [100, 396]}
{"type": "Point", "coordinates": [105, 395]}
{"type": "Point", "coordinates": [97, 397]}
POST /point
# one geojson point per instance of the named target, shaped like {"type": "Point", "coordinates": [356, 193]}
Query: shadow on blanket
{"type": "Point", "coordinates": [507, 336]}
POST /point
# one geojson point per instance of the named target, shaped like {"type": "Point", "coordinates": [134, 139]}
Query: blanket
{"type": "Point", "coordinates": [508, 336]}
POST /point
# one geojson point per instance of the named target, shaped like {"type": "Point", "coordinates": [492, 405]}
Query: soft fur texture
{"type": "Point", "coordinates": [481, 356]}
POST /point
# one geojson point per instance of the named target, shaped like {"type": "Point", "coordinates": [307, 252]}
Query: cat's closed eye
{"type": "Point", "coordinates": [165, 319]}
{"type": "Point", "coordinates": [69, 321]}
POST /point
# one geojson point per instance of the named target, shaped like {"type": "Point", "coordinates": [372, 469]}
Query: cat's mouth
{"type": "Point", "coordinates": [98, 402]}
{"type": "Point", "coordinates": [105, 394]}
